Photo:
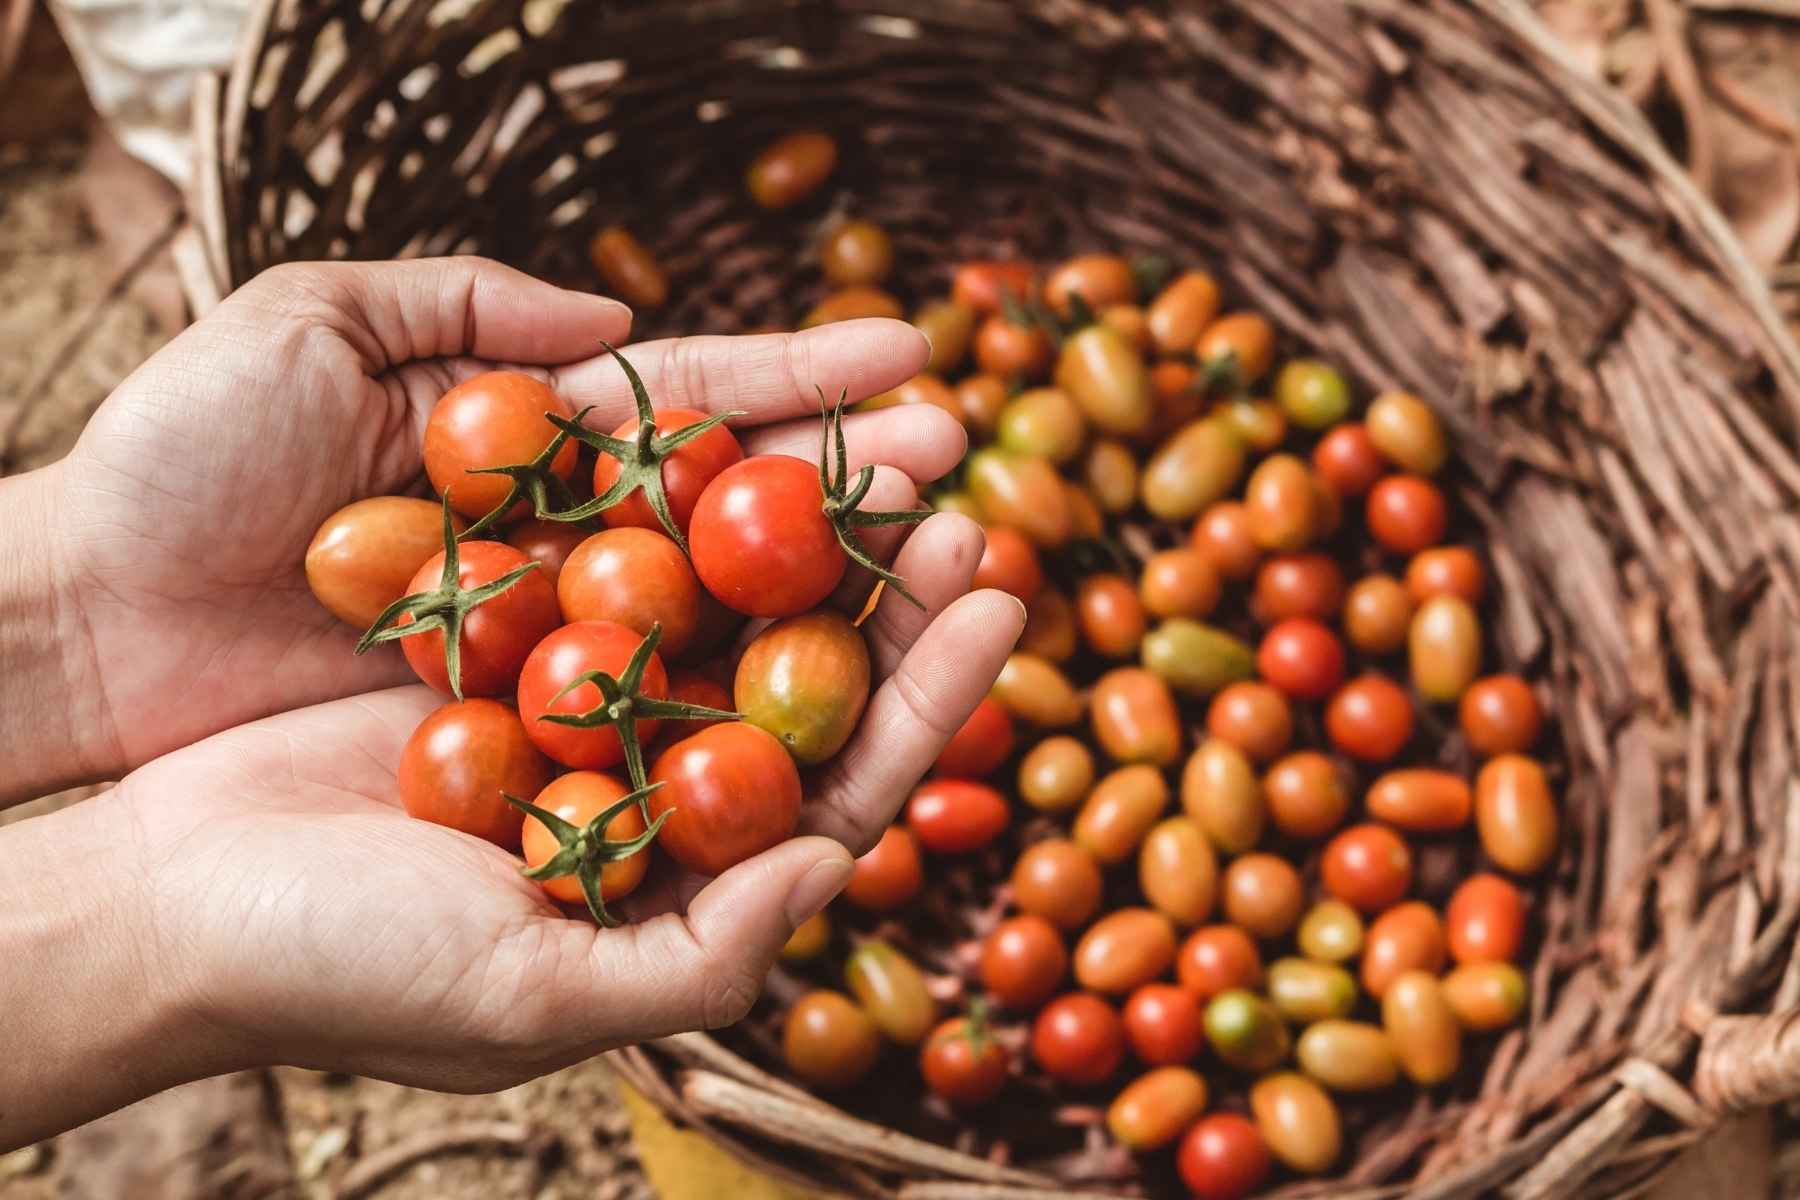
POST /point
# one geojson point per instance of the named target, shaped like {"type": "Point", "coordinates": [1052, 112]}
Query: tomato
{"type": "Point", "coordinates": [985, 286]}
{"type": "Point", "coordinates": [731, 792]}
{"type": "Point", "coordinates": [760, 539]}
{"type": "Point", "coordinates": [1105, 375]}
{"type": "Point", "coordinates": [1056, 774]}
{"type": "Point", "coordinates": [1086, 521]}
{"type": "Point", "coordinates": [1179, 583]}
{"type": "Point", "coordinates": [578, 798]}
{"type": "Point", "coordinates": [1304, 992]}
{"type": "Point", "coordinates": [1154, 1108]}
{"type": "Point", "coordinates": [955, 816]}
{"type": "Point", "coordinates": [629, 270]}
{"type": "Point", "coordinates": [1079, 1039]}
{"type": "Point", "coordinates": [950, 327]}
{"type": "Point", "coordinates": [1023, 961]}
{"type": "Point", "coordinates": [1485, 920]}
{"type": "Point", "coordinates": [1009, 563]}
{"type": "Point", "coordinates": [493, 420]}
{"type": "Point", "coordinates": [850, 304]}
{"type": "Point", "coordinates": [1162, 1023]}
{"type": "Point", "coordinates": [805, 680]}
{"type": "Point", "coordinates": [1305, 794]}
{"type": "Point", "coordinates": [963, 1063]}
{"type": "Point", "coordinates": [636, 578]}
{"type": "Point", "coordinates": [1178, 871]}
{"type": "Point", "coordinates": [1446, 571]}
{"type": "Point", "coordinates": [1058, 880]}
{"type": "Point", "coordinates": [1218, 958]}
{"type": "Point", "coordinates": [1178, 401]}
{"type": "Point", "coordinates": [1237, 346]}
{"type": "Point", "coordinates": [809, 940]}
{"type": "Point", "coordinates": [546, 543]}
{"type": "Point", "coordinates": [1346, 458]}
{"type": "Point", "coordinates": [854, 252]}
{"type": "Point", "coordinates": [1420, 800]}
{"type": "Point", "coordinates": [1036, 692]}
{"type": "Point", "coordinates": [688, 686]}
{"type": "Point", "coordinates": [364, 555]}
{"type": "Point", "coordinates": [1347, 1056]}
{"type": "Point", "coordinates": [558, 661]}
{"type": "Point", "coordinates": [1110, 615]}
{"type": "Point", "coordinates": [889, 875]}
{"type": "Point", "coordinates": [1405, 429]}
{"type": "Point", "coordinates": [1222, 534]}
{"type": "Point", "coordinates": [686, 471]}
{"type": "Point", "coordinates": [1123, 950]}
{"type": "Point", "coordinates": [829, 1041]}
{"type": "Point", "coordinates": [1006, 348]}
{"type": "Point", "coordinates": [791, 169]}
{"type": "Point", "coordinates": [924, 388]}
{"type": "Point", "coordinates": [1297, 585]}
{"type": "Point", "coordinates": [497, 635]}
{"type": "Point", "coordinates": [1515, 815]}
{"type": "Point", "coordinates": [1314, 395]}
{"type": "Point", "coordinates": [1302, 658]}
{"type": "Point", "coordinates": [1370, 718]}
{"type": "Point", "coordinates": [460, 759]}
{"type": "Point", "coordinates": [1196, 467]}
{"type": "Point", "coordinates": [1282, 503]}
{"type": "Point", "coordinates": [1377, 613]}
{"type": "Point", "coordinates": [1406, 514]}
{"type": "Point", "coordinates": [1407, 937]}
{"type": "Point", "coordinates": [1421, 1028]}
{"type": "Point", "coordinates": [1130, 322]}
{"type": "Point", "coordinates": [1263, 893]}
{"type": "Point", "coordinates": [1298, 1121]}
{"type": "Point", "coordinates": [1252, 716]}
{"type": "Point", "coordinates": [892, 991]}
{"type": "Point", "coordinates": [1367, 866]}
{"type": "Point", "coordinates": [1182, 311]}
{"type": "Point", "coordinates": [1443, 645]}
{"type": "Point", "coordinates": [1098, 279]}
{"type": "Point", "coordinates": [1500, 715]}
{"type": "Point", "coordinates": [1222, 1157]}
{"type": "Point", "coordinates": [1021, 491]}
{"type": "Point", "coordinates": [1331, 931]}
{"type": "Point", "coordinates": [1194, 657]}
{"type": "Point", "coordinates": [1120, 812]}
{"type": "Point", "coordinates": [1134, 717]}
{"type": "Point", "coordinates": [1485, 996]}
{"type": "Point", "coordinates": [1219, 790]}
{"type": "Point", "coordinates": [980, 746]}
{"type": "Point", "coordinates": [1111, 473]}
{"type": "Point", "coordinates": [1245, 1031]}
{"type": "Point", "coordinates": [1049, 627]}
{"type": "Point", "coordinates": [1260, 424]}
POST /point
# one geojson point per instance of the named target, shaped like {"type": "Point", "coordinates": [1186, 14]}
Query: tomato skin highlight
{"type": "Point", "coordinates": [965, 1068]}
{"type": "Point", "coordinates": [497, 636]}
{"type": "Point", "coordinates": [685, 473]}
{"type": "Point", "coordinates": [980, 746]}
{"type": "Point", "coordinates": [731, 792]}
{"type": "Point", "coordinates": [556, 661]}
{"type": "Point", "coordinates": [578, 798]}
{"type": "Point", "coordinates": [956, 816]}
{"type": "Point", "coordinates": [889, 874]}
{"type": "Point", "coordinates": [1079, 1039]}
{"type": "Point", "coordinates": [364, 554]}
{"type": "Point", "coordinates": [805, 680]}
{"type": "Point", "coordinates": [760, 540]}
{"type": "Point", "coordinates": [459, 760]}
{"type": "Point", "coordinates": [634, 577]}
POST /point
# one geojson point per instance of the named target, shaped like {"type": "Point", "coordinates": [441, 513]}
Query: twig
{"type": "Point", "coordinates": [1668, 25]}
{"type": "Point", "coordinates": [1772, 8]}
{"type": "Point", "coordinates": [377, 1168]}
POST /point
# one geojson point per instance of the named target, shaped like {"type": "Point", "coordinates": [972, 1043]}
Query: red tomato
{"type": "Point", "coordinates": [1406, 514]}
{"type": "Point", "coordinates": [963, 1063]}
{"type": "Point", "coordinates": [1302, 658]}
{"type": "Point", "coordinates": [1370, 718]}
{"type": "Point", "coordinates": [547, 543]}
{"type": "Point", "coordinates": [636, 578]}
{"type": "Point", "coordinates": [1005, 348]}
{"type": "Point", "coordinates": [1162, 1022]}
{"type": "Point", "coordinates": [493, 420]}
{"type": "Point", "coordinates": [981, 745]}
{"type": "Point", "coordinates": [1298, 585]}
{"type": "Point", "coordinates": [1446, 571]}
{"type": "Point", "coordinates": [955, 816]}
{"type": "Point", "coordinates": [459, 760]}
{"type": "Point", "coordinates": [984, 286]}
{"type": "Point", "coordinates": [688, 686]}
{"type": "Point", "coordinates": [566, 654]}
{"type": "Point", "coordinates": [760, 539]}
{"type": "Point", "coordinates": [1222, 1157]}
{"type": "Point", "coordinates": [685, 473]}
{"type": "Point", "coordinates": [889, 875]}
{"type": "Point", "coordinates": [496, 635]}
{"type": "Point", "coordinates": [1485, 920]}
{"type": "Point", "coordinates": [731, 792]}
{"type": "Point", "coordinates": [1346, 458]}
{"type": "Point", "coordinates": [578, 798]}
{"type": "Point", "coordinates": [1023, 961]}
{"type": "Point", "coordinates": [1110, 614]}
{"type": "Point", "coordinates": [1079, 1039]}
{"type": "Point", "coordinates": [1500, 715]}
{"type": "Point", "coordinates": [1218, 958]}
{"type": "Point", "coordinates": [1010, 563]}
{"type": "Point", "coordinates": [1367, 867]}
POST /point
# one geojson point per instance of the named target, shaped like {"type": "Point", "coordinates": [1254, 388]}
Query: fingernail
{"type": "Point", "coordinates": [1024, 613]}
{"type": "Point", "coordinates": [817, 888]}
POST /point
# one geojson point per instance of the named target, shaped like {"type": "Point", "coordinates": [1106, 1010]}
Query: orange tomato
{"type": "Point", "coordinates": [1515, 815]}
{"type": "Point", "coordinates": [1407, 937]}
{"type": "Point", "coordinates": [1252, 716]}
{"type": "Point", "coordinates": [1124, 950]}
{"type": "Point", "coordinates": [1134, 717]}
{"type": "Point", "coordinates": [1263, 893]}
{"type": "Point", "coordinates": [1297, 585]}
{"type": "Point", "coordinates": [1305, 794]}
{"type": "Point", "coordinates": [1485, 920]}
{"type": "Point", "coordinates": [1058, 880]}
{"type": "Point", "coordinates": [1222, 534]}
{"type": "Point", "coordinates": [1421, 800]}
{"type": "Point", "coordinates": [1110, 614]}
{"type": "Point", "coordinates": [1368, 867]}
{"type": "Point", "coordinates": [1370, 718]}
{"type": "Point", "coordinates": [1500, 715]}
{"type": "Point", "coordinates": [1446, 571]}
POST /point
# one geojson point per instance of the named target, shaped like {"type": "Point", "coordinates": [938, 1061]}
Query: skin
{"type": "Point", "coordinates": [154, 613]}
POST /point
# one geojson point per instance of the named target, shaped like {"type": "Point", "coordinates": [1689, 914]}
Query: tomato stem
{"type": "Point", "coordinates": [583, 850]}
{"type": "Point", "coordinates": [533, 481]}
{"type": "Point", "coordinates": [842, 498]}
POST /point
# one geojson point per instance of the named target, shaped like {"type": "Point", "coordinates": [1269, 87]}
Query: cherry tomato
{"type": "Point", "coordinates": [1283, 503]}
{"type": "Point", "coordinates": [1099, 279]}
{"type": "Point", "coordinates": [636, 578]}
{"type": "Point", "coordinates": [1036, 692]}
{"type": "Point", "coordinates": [1241, 345]}
{"type": "Point", "coordinates": [688, 686]}
{"type": "Point", "coordinates": [1110, 471]}
{"type": "Point", "coordinates": [829, 1041]}
{"type": "Point", "coordinates": [1367, 866]}
{"type": "Point", "coordinates": [1178, 871]}
{"type": "Point", "coordinates": [1182, 311]}
{"type": "Point", "coordinates": [1515, 815]}
{"type": "Point", "coordinates": [889, 875]}
{"type": "Point", "coordinates": [924, 388]}
{"type": "Point", "coordinates": [686, 472]}
{"type": "Point", "coordinates": [1314, 395]}
{"type": "Point", "coordinates": [1407, 937]}
{"type": "Point", "coordinates": [892, 991]}
{"type": "Point", "coordinates": [557, 661]}
{"type": "Point", "coordinates": [1298, 1121]}
{"type": "Point", "coordinates": [1500, 715]}
{"type": "Point", "coordinates": [578, 798]}
{"type": "Point", "coordinates": [1302, 658]}
{"type": "Point", "coordinates": [1446, 571]}
{"type": "Point", "coordinates": [1305, 794]}
{"type": "Point", "coordinates": [1105, 375]}
{"type": "Point", "coordinates": [955, 816]}
{"type": "Point", "coordinates": [1049, 627]}
{"type": "Point", "coordinates": [963, 1063]}
{"type": "Point", "coordinates": [1304, 992]}
{"type": "Point", "coordinates": [1297, 585]}
{"type": "Point", "coordinates": [546, 543]}
{"type": "Point", "coordinates": [1218, 958]}
{"type": "Point", "coordinates": [850, 304]}
{"type": "Point", "coordinates": [1405, 429]}
{"type": "Point", "coordinates": [460, 759]}
{"type": "Point", "coordinates": [1331, 931]}
{"type": "Point", "coordinates": [1485, 920]}
{"type": "Point", "coordinates": [1010, 563]}
{"type": "Point", "coordinates": [856, 252]}
{"type": "Point", "coordinates": [365, 554]}
{"type": "Point", "coordinates": [1252, 716]}
{"type": "Point", "coordinates": [1162, 1023]}
{"type": "Point", "coordinates": [1123, 950]}
{"type": "Point", "coordinates": [1056, 774]}
{"type": "Point", "coordinates": [1130, 323]}
{"type": "Point", "coordinates": [1179, 583]}
{"type": "Point", "coordinates": [1006, 348]}
{"type": "Point", "coordinates": [1222, 534]}
{"type": "Point", "coordinates": [1219, 790]}
{"type": "Point", "coordinates": [791, 169]}
{"type": "Point", "coordinates": [1110, 615]}
{"type": "Point", "coordinates": [1420, 800]}
{"type": "Point", "coordinates": [731, 792]}
{"type": "Point", "coordinates": [1023, 961]}
{"type": "Point", "coordinates": [1347, 1056]}
{"type": "Point", "coordinates": [1120, 812]}
{"type": "Point", "coordinates": [1085, 518]}
{"type": "Point", "coordinates": [498, 635]}
{"type": "Point", "coordinates": [1485, 996]}
{"type": "Point", "coordinates": [493, 420]}
{"type": "Point", "coordinates": [760, 539]}
{"type": "Point", "coordinates": [980, 746]}
{"type": "Point", "coordinates": [1079, 1039]}
{"type": "Point", "coordinates": [1261, 425]}
{"type": "Point", "coordinates": [1346, 458]}
{"type": "Point", "coordinates": [1421, 1027]}
{"type": "Point", "coordinates": [1154, 1108]}
{"type": "Point", "coordinates": [1222, 1157]}
{"type": "Point", "coordinates": [1263, 893]}
{"type": "Point", "coordinates": [1406, 514]}
{"type": "Point", "coordinates": [629, 270]}
{"type": "Point", "coordinates": [1021, 491]}
{"type": "Point", "coordinates": [1134, 717]}
{"type": "Point", "coordinates": [1196, 467]}
{"type": "Point", "coordinates": [1194, 657]}
{"type": "Point", "coordinates": [1245, 1031]}
{"type": "Point", "coordinates": [805, 680]}
{"type": "Point", "coordinates": [1178, 401]}
{"type": "Point", "coordinates": [950, 327]}
{"type": "Point", "coordinates": [1377, 613]}
{"type": "Point", "coordinates": [1370, 718]}
{"type": "Point", "coordinates": [1059, 881]}
{"type": "Point", "coordinates": [1443, 645]}
{"type": "Point", "coordinates": [809, 940]}
{"type": "Point", "coordinates": [985, 286]}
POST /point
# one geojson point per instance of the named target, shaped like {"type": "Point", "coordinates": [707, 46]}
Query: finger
{"type": "Point", "coordinates": [937, 562]}
{"type": "Point", "coordinates": [910, 717]}
{"type": "Point", "coordinates": [890, 491]}
{"type": "Point", "coordinates": [769, 377]}
{"type": "Point", "coordinates": [923, 441]}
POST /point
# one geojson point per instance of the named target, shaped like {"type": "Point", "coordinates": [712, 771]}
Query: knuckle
{"type": "Point", "coordinates": [730, 993]}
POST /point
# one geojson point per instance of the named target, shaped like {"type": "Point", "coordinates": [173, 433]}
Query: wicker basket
{"type": "Point", "coordinates": [1429, 191]}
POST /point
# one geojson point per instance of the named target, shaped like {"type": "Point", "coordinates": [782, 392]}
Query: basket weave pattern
{"type": "Point", "coordinates": [1429, 192]}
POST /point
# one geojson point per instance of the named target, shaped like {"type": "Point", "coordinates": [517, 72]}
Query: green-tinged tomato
{"type": "Point", "coordinates": [1106, 376]}
{"type": "Point", "coordinates": [1044, 422]}
{"type": "Point", "coordinates": [1195, 658]}
{"type": "Point", "coordinates": [892, 991]}
{"type": "Point", "coordinates": [1304, 992]}
{"type": "Point", "coordinates": [805, 679]}
{"type": "Point", "coordinates": [1022, 491]}
{"type": "Point", "coordinates": [1245, 1031]}
{"type": "Point", "coordinates": [1199, 463]}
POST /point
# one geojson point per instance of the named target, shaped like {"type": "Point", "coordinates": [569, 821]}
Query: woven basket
{"type": "Point", "coordinates": [1429, 192]}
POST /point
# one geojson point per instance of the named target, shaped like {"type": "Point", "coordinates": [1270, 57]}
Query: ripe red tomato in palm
{"type": "Point", "coordinates": [760, 539]}
{"type": "Point", "coordinates": [1010, 563]}
{"type": "Point", "coordinates": [567, 653]}
{"type": "Point", "coordinates": [1079, 1039]}
{"type": "Point", "coordinates": [459, 760]}
{"type": "Point", "coordinates": [1222, 1157]}
{"type": "Point", "coordinates": [636, 578]}
{"type": "Point", "coordinates": [493, 420]}
{"type": "Point", "coordinates": [578, 798]}
{"type": "Point", "coordinates": [981, 745]}
{"type": "Point", "coordinates": [685, 473]}
{"type": "Point", "coordinates": [888, 875]}
{"type": "Point", "coordinates": [1163, 1024]}
{"type": "Point", "coordinates": [963, 1063]}
{"type": "Point", "coordinates": [955, 816]}
{"type": "Point", "coordinates": [497, 635]}
{"type": "Point", "coordinates": [731, 792]}
{"type": "Point", "coordinates": [1302, 658]}
{"type": "Point", "coordinates": [1023, 961]}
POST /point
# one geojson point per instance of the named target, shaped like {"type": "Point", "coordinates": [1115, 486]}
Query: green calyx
{"type": "Point", "coordinates": [533, 481]}
{"type": "Point", "coordinates": [842, 496]}
{"type": "Point", "coordinates": [623, 704]}
{"type": "Point", "coordinates": [583, 850]}
{"type": "Point", "coordinates": [640, 457]}
{"type": "Point", "coordinates": [444, 608]}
